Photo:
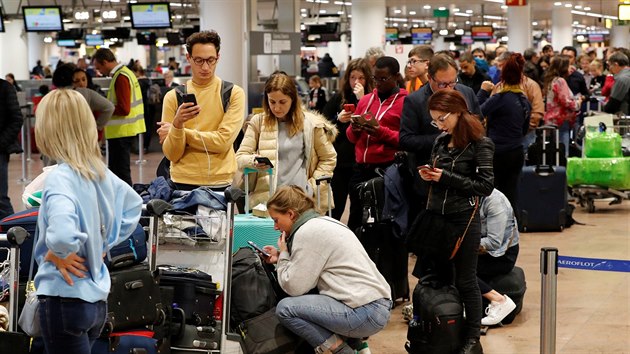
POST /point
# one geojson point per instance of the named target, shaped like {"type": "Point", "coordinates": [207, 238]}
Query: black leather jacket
{"type": "Point", "coordinates": [466, 174]}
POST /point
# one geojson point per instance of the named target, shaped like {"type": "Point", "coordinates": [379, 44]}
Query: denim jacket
{"type": "Point", "coordinates": [498, 224]}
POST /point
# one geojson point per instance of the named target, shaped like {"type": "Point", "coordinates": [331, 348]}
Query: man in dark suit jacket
{"type": "Point", "coordinates": [10, 125]}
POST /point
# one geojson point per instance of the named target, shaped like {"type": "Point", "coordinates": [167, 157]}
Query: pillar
{"type": "Point", "coordinates": [14, 41]}
{"type": "Point", "coordinates": [561, 27]}
{"type": "Point", "coordinates": [620, 36]}
{"type": "Point", "coordinates": [229, 19]}
{"type": "Point", "coordinates": [368, 26]}
{"type": "Point", "coordinates": [519, 28]}
{"type": "Point", "coordinates": [289, 21]}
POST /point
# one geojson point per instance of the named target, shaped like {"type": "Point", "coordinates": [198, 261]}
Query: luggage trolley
{"type": "Point", "coordinates": [209, 253]}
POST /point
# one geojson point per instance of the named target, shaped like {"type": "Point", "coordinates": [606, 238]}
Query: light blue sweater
{"type": "Point", "coordinates": [70, 221]}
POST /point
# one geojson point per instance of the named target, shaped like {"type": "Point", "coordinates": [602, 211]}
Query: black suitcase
{"type": "Point", "coordinates": [134, 299]}
{"type": "Point", "coordinates": [194, 293]}
{"type": "Point", "coordinates": [198, 337]}
{"type": "Point", "coordinates": [542, 191]}
{"type": "Point", "coordinates": [547, 148]}
{"type": "Point", "coordinates": [28, 220]}
{"type": "Point", "coordinates": [513, 285]}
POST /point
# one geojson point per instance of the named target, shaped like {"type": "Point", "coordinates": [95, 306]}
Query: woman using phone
{"type": "Point", "coordinates": [85, 211]}
{"type": "Point", "coordinates": [356, 83]}
{"type": "Point", "coordinates": [298, 143]}
{"type": "Point", "coordinates": [462, 172]}
{"type": "Point", "coordinates": [315, 251]}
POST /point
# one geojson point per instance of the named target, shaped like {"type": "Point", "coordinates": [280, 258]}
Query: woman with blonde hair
{"type": "Point", "coordinates": [298, 143]}
{"type": "Point", "coordinates": [85, 211]}
{"type": "Point", "coordinates": [315, 251]}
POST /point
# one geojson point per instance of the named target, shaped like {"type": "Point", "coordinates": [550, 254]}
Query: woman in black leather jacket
{"type": "Point", "coordinates": [461, 173]}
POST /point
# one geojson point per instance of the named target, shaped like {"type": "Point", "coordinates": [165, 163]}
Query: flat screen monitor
{"type": "Point", "coordinates": [93, 40]}
{"type": "Point", "coordinates": [481, 33]}
{"type": "Point", "coordinates": [146, 38]}
{"type": "Point", "coordinates": [150, 15]}
{"type": "Point", "coordinates": [42, 18]}
{"type": "Point", "coordinates": [421, 35]}
{"type": "Point", "coordinates": [467, 40]}
{"type": "Point", "coordinates": [70, 43]}
{"type": "Point", "coordinates": [595, 37]}
{"type": "Point", "coordinates": [174, 38]}
{"type": "Point", "coordinates": [391, 33]}
{"type": "Point", "coordinates": [120, 33]}
{"type": "Point", "coordinates": [1, 21]}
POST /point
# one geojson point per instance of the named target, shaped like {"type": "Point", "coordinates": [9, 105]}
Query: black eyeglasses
{"type": "Point", "coordinates": [443, 85]}
{"type": "Point", "coordinates": [413, 62]}
{"type": "Point", "coordinates": [200, 61]}
{"type": "Point", "coordinates": [380, 79]}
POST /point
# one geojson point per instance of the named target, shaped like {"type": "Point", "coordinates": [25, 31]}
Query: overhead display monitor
{"type": "Point", "coordinates": [146, 38]}
{"type": "Point", "coordinates": [150, 15]}
{"type": "Point", "coordinates": [70, 43]}
{"type": "Point", "coordinates": [467, 40]}
{"type": "Point", "coordinates": [1, 21]}
{"type": "Point", "coordinates": [42, 18]}
{"type": "Point", "coordinates": [93, 40]}
{"type": "Point", "coordinates": [595, 37]}
{"type": "Point", "coordinates": [421, 35]}
{"type": "Point", "coordinates": [391, 33]}
{"type": "Point", "coordinates": [481, 33]}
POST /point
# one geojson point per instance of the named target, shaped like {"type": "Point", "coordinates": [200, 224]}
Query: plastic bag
{"type": "Point", "coordinates": [32, 196]}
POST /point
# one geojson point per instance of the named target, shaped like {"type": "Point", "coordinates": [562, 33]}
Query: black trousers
{"type": "Point", "coordinates": [119, 157]}
{"type": "Point", "coordinates": [340, 187]}
{"type": "Point", "coordinates": [489, 267]}
{"type": "Point", "coordinates": [507, 169]}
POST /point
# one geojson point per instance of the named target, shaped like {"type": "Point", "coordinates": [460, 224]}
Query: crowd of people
{"type": "Point", "coordinates": [465, 124]}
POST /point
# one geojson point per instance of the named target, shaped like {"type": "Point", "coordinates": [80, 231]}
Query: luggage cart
{"type": "Point", "coordinates": [212, 255]}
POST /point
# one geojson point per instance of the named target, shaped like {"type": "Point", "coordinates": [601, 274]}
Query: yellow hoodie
{"type": "Point", "coordinates": [201, 153]}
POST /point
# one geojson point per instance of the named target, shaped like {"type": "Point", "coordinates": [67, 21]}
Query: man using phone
{"type": "Point", "coordinates": [197, 135]}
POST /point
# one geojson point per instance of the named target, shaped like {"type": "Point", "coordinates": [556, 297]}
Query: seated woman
{"type": "Point", "coordinates": [320, 252]}
{"type": "Point", "coordinates": [498, 250]}
{"type": "Point", "coordinates": [298, 143]}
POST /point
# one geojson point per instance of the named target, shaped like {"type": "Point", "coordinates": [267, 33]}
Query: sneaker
{"type": "Point", "coordinates": [497, 311]}
{"type": "Point", "coordinates": [472, 346]}
{"type": "Point", "coordinates": [364, 349]}
{"type": "Point", "coordinates": [407, 312]}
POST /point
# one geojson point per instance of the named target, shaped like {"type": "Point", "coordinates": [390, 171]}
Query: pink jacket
{"type": "Point", "coordinates": [561, 104]}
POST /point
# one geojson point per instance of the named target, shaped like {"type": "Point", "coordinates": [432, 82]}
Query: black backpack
{"type": "Point", "coordinates": [253, 288]}
{"type": "Point", "coordinates": [437, 321]}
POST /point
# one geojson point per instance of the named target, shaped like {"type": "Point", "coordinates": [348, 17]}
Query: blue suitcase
{"type": "Point", "coordinates": [129, 252]}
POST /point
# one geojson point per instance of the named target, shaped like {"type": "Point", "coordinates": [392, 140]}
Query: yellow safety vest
{"type": "Point", "coordinates": [133, 123]}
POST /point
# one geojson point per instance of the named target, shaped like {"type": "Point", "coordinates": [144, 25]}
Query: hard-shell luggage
{"type": "Point", "coordinates": [194, 292]}
{"type": "Point", "coordinates": [133, 342]}
{"type": "Point", "coordinates": [12, 341]}
{"type": "Point", "coordinates": [134, 299]}
{"type": "Point", "coordinates": [437, 322]}
{"type": "Point", "coordinates": [514, 286]}
{"type": "Point", "coordinates": [26, 219]}
{"type": "Point", "coordinates": [129, 252]}
{"type": "Point", "coordinates": [542, 191]}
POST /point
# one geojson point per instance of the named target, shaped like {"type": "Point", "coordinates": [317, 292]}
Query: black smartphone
{"type": "Point", "coordinates": [263, 160]}
{"type": "Point", "coordinates": [190, 97]}
{"type": "Point", "coordinates": [259, 249]}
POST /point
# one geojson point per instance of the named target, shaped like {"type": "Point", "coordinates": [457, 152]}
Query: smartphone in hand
{"type": "Point", "coordinates": [263, 160]}
{"type": "Point", "coordinates": [425, 168]}
{"type": "Point", "coordinates": [258, 248]}
{"type": "Point", "coordinates": [190, 97]}
{"type": "Point", "coordinates": [349, 107]}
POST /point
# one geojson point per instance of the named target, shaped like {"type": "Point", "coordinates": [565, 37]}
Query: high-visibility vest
{"type": "Point", "coordinates": [133, 123]}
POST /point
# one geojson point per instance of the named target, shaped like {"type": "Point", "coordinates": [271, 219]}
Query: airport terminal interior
{"type": "Point", "coordinates": [593, 306]}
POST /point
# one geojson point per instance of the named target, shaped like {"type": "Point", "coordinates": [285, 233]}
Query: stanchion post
{"type": "Point", "coordinates": [141, 160]}
{"type": "Point", "coordinates": [549, 294]}
{"type": "Point", "coordinates": [23, 136]}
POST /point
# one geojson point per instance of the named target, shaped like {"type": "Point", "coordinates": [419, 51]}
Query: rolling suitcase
{"type": "Point", "coordinates": [542, 193]}
{"type": "Point", "coordinates": [133, 342]}
{"type": "Point", "coordinates": [129, 252]}
{"type": "Point", "coordinates": [12, 341]}
{"type": "Point", "coordinates": [28, 220]}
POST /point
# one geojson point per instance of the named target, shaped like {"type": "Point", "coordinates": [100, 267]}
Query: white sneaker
{"type": "Point", "coordinates": [497, 311]}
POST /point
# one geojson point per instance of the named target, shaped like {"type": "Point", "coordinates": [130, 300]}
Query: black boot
{"type": "Point", "coordinates": [471, 346]}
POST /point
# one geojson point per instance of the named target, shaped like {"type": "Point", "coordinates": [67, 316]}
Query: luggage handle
{"type": "Point", "coordinates": [122, 261]}
{"type": "Point", "coordinates": [544, 170]}
{"type": "Point", "coordinates": [207, 291]}
{"type": "Point", "coordinates": [133, 285]}
{"type": "Point", "coordinates": [246, 173]}
{"type": "Point", "coordinates": [318, 182]}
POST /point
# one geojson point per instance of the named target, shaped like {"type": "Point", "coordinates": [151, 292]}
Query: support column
{"type": "Point", "coordinates": [13, 41]}
{"type": "Point", "coordinates": [620, 36]}
{"type": "Point", "coordinates": [368, 26]}
{"type": "Point", "coordinates": [519, 28]}
{"type": "Point", "coordinates": [561, 27]}
{"type": "Point", "coordinates": [229, 19]}
{"type": "Point", "coordinates": [289, 21]}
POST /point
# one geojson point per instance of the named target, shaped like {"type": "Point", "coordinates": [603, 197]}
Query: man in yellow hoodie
{"type": "Point", "coordinates": [197, 137]}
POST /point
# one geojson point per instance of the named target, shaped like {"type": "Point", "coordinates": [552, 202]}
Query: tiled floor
{"type": "Point", "coordinates": [593, 308]}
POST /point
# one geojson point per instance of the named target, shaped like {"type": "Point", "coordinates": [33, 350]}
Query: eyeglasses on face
{"type": "Point", "coordinates": [440, 119]}
{"type": "Point", "coordinates": [200, 61]}
{"type": "Point", "coordinates": [413, 62]}
{"type": "Point", "coordinates": [443, 85]}
{"type": "Point", "coordinates": [380, 79]}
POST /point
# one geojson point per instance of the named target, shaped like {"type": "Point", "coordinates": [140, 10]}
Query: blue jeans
{"type": "Point", "coordinates": [317, 317]}
{"type": "Point", "coordinates": [565, 136]}
{"type": "Point", "coordinates": [5, 203]}
{"type": "Point", "coordinates": [70, 325]}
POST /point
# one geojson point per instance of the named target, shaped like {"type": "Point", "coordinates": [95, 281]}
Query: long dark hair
{"type": "Point", "coordinates": [469, 127]}
{"type": "Point", "coordinates": [559, 67]}
{"type": "Point", "coordinates": [356, 65]}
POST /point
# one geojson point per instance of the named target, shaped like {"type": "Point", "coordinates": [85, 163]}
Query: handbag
{"type": "Point", "coordinates": [29, 317]}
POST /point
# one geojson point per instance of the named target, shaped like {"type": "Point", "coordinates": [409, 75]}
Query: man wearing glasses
{"type": "Point", "coordinates": [416, 132]}
{"type": "Point", "coordinates": [197, 133]}
{"type": "Point", "coordinates": [417, 67]}
{"type": "Point", "coordinates": [128, 118]}
{"type": "Point", "coordinates": [619, 100]}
